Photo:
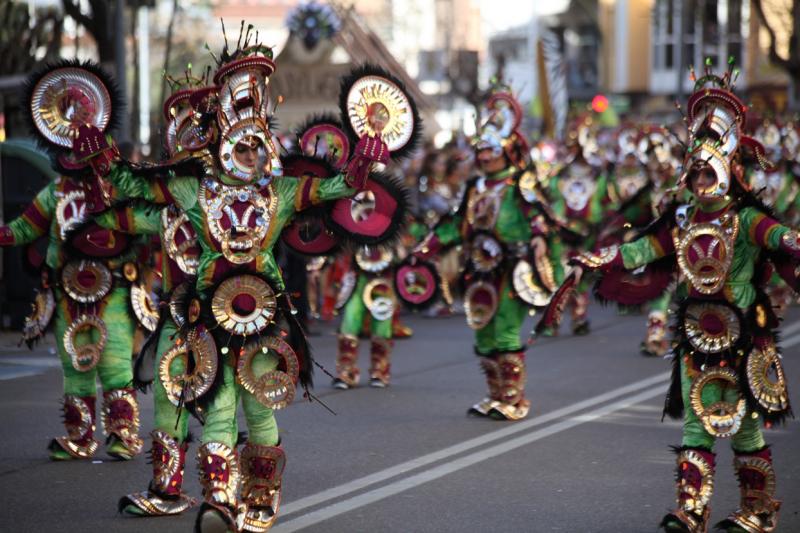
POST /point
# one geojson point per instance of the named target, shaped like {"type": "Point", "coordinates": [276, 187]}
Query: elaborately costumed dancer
{"type": "Point", "coordinates": [372, 299]}
{"type": "Point", "coordinates": [179, 259]}
{"type": "Point", "coordinates": [579, 195]}
{"type": "Point", "coordinates": [508, 268]}
{"type": "Point", "coordinates": [236, 321]}
{"type": "Point", "coordinates": [91, 278]}
{"type": "Point", "coordinates": [727, 374]}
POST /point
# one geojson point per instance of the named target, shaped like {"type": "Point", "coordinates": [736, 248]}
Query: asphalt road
{"type": "Point", "coordinates": [592, 457]}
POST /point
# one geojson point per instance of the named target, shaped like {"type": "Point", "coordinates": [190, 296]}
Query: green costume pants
{"type": "Point", "coordinates": [115, 368]}
{"type": "Point", "coordinates": [502, 332]}
{"type": "Point", "coordinates": [169, 418]}
{"type": "Point", "coordinates": [221, 425]}
{"type": "Point", "coordinates": [355, 312]}
{"type": "Point", "coordinates": [749, 437]}
{"type": "Point", "coordinates": [662, 302]}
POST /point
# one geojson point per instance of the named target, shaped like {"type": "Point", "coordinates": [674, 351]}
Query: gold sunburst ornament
{"type": "Point", "coordinates": [275, 388]}
{"type": "Point", "coordinates": [244, 305]}
{"type": "Point", "coordinates": [64, 99]}
{"type": "Point", "coordinates": [375, 98]}
{"type": "Point", "coordinates": [767, 380]}
{"type": "Point", "coordinates": [86, 356]}
{"type": "Point", "coordinates": [145, 306]}
{"type": "Point", "coordinates": [182, 384]}
{"type": "Point", "coordinates": [721, 418]}
{"type": "Point", "coordinates": [86, 281]}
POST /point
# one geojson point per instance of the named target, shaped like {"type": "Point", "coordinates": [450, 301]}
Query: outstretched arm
{"type": "Point", "coordinates": [158, 189]}
{"type": "Point", "coordinates": [135, 219]}
{"type": "Point", "coordinates": [33, 222]}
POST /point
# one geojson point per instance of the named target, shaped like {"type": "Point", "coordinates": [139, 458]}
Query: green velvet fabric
{"type": "Point", "coordinates": [115, 367]}
{"type": "Point", "coordinates": [355, 312]}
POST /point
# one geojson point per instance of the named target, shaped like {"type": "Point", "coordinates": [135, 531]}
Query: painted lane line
{"type": "Point", "coordinates": [16, 373]}
{"type": "Point", "coordinates": [48, 362]}
{"type": "Point", "coordinates": [358, 484]}
{"type": "Point", "coordinates": [461, 463]}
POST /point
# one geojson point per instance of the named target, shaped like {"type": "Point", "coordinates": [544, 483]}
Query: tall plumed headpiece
{"type": "Point", "coordinates": [498, 125]}
{"type": "Point", "coordinates": [240, 101]}
{"type": "Point", "coordinates": [181, 136]}
{"type": "Point", "coordinates": [715, 118]}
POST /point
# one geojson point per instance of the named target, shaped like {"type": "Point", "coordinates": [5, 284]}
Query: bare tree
{"type": "Point", "coordinates": [98, 22]}
{"type": "Point", "coordinates": [783, 17]}
{"type": "Point", "coordinates": [23, 38]}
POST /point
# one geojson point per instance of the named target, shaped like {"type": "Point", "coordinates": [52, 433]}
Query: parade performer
{"type": "Point", "coordinates": [236, 321]}
{"type": "Point", "coordinates": [504, 239]}
{"type": "Point", "coordinates": [179, 258]}
{"type": "Point", "coordinates": [655, 148]}
{"type": "Point", "coordinates": [373, 293]}
{"type": "Point", "coordinates": [579, 195]}
{"type": "Point", "coordinates": [727, 373]}
{"type": "Point", "coordinates": [90, 271]}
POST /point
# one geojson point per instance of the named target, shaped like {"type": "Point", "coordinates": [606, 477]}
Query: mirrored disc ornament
{"type": "Point", "coordinates": [416, 284]}
{"type": "Point", "coordinates": [480, 304]}
{"type": "Point", "coordinates": [64, 99]}
{"type": "Point", "coordinates": [276, 388]}
{"type": "Point", "coordinates": [244, 305]}
{"type": "Point", "coordinates": [86, 281]}
{"type": "Point", "coordinates": [767, 380]}
{"type": "Point", "coordinates": [372, 94]}
{"type": "Point", "coordinates": [721, 418]}
{"type": "Point", "coordinates": [85, 356]}
{"type": "Point", "coordinates": [379, 298]}
{"type": "Point", "coordinates": [527, 287]}
{"type": "Point", "coordinates": [711, 328]}
{"type": "Point", "coordinates": [145, 306]}
{"type": "Point", "coordinates": [328, 142]}
{"type": "Point", "coordinates": [188, 382]}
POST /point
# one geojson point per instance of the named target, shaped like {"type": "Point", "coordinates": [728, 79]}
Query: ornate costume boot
{"type": "Point", "coordinates": [695, 485]}
{"type": "Point", "coordinates": [492, 372]}
{"type": "Point", "coordinates": [262, 470]}
{"type": "Point", "coordinates": [79, 442]}
{"type": "Point", "coordinates": [400, 330]}
{"type": "Point", "coordinates": [511, 404]}
{"type": "Point", "coordinates": [163, 496]}
{"type": "Point", "coordinates": [347, 373]}
{"type": "Point", "coordinates": [380, 362]}
{"type": "Point", "coordinates": [758, 508]}
{"type": "Point", "coordinates": [655, 342]}
{"type": "Point", "coordinates": [580, 307]}
{"type": "Point", "coordinates": [219, 477]}
{"type": "Point", "coordinates": [121, 423]}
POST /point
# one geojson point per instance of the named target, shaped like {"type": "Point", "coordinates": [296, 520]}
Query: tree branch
{"type": "Point", "coordinates": [773, 52]}
{"type": "Point", "coordinates": [73, 10]}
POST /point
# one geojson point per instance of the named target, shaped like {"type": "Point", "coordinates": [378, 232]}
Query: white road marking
{"type": "Point", "coordinates": [445, 453]}
{"type": "Point", "coordinates": [455, 465]}
{"type": "Point", "coordinates": [16, 373]}
{"type": "Point", "coordinates": [468, 460]}
{"type": "Point", "coordinates": [48, 362]}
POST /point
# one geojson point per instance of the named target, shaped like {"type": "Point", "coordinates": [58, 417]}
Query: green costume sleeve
{"type": "Point", "coordinates": [177, 189]}
{"type": "Point", "coordinates": [138, 219]}
{"type": "Point", "coordinates": [308, 191]}
{"type": "Point", "coordinates": [641, 252]}
{"type": "Point", "coordinates": [448, 230]}
{"type": "Point", "coordinates": [35, 220]}
{"type": "Point", "coordinates": [760, 229]}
